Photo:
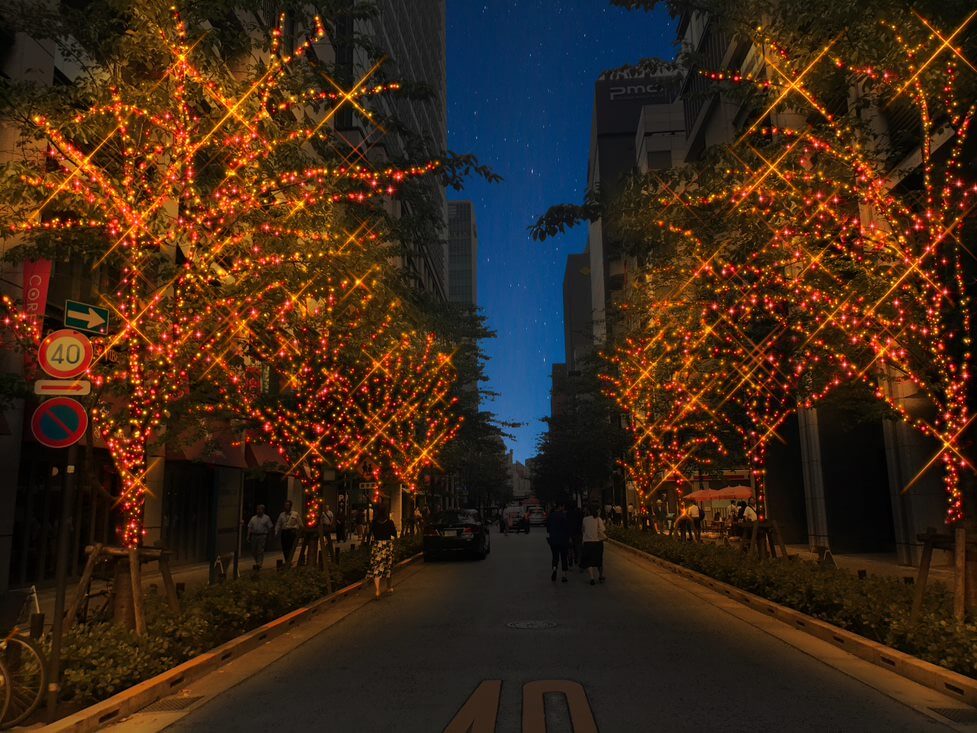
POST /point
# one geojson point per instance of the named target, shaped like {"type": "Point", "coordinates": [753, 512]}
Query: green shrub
{"type": "Point", "coordinates": [100, 660]}
{"type": "Point", "coordinates": [875, 607]}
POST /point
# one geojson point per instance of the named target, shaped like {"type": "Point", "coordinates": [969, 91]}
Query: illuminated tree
{"type": "Point", "coordinates": [173, 179]}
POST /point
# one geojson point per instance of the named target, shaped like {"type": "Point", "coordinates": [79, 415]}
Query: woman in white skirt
{"type": "Point", "coordinates": [592, 555]}
{"type": "Point", "coordinates": [383, 530]}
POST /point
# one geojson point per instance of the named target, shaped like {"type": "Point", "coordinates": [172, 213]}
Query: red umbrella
{"type": "Point", "coordinates": [734, 492]}
{"type": "Point", "coordinates": [702, 495]}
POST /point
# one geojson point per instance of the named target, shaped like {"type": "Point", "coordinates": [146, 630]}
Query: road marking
{"type": "Point", "coordinates": [534, 706]}
{"type": "Point", "coordinates": [480, 711]}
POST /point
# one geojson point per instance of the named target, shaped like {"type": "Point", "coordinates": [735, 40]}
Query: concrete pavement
{"type": "Point", "coordinates": [650, 652]}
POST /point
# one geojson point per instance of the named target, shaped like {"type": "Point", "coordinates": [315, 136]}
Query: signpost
{"type": "Point", "coordinates": [86, 317]}
{"type": "Point", "coordinates": [59, 422]}
{"type": "Point", "coordinates": [65, 354]}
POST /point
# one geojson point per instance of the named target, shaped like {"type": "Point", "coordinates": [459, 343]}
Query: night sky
{"type": "Point", "coordinates": [521, 79]}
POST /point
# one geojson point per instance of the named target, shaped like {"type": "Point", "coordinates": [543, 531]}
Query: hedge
{"type": "Point", "coordinates": [875, 607]}
{"type": "Point", "coordinates": [103, 659]}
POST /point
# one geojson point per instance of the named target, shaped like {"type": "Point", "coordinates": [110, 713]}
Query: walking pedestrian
{"type": "Point", "coordinates": [659, 518]}
{"type": "Point", "coordinates": [558, 531]}
{"type": "Point", "coordinates": [328, 521]}
{"type": "Point", "coordinates": [361, 524]}
{"type": "Point", "coordinates": [383, 530]}
{"type": "Point", "coordinates": [592, 554]}
{"type": "Point", "coordinates": [695, 514]}
{"type": "Point", "coordinates": [409, 523]}
{"type": "Point", "coordinates": [340, 525]}
{"type": "Point", "coordinates": [287, 528]}
{"type": "Point", "coordinates": [749, 512]}
{"type": "Point", "coordinates": [683, 523]}
{"type": "Point", "coordinates": [575, 519]}
{"type": "Point", "coordinates": [258, 529]}
{"type": "Point", "coordinates": [418, 520]}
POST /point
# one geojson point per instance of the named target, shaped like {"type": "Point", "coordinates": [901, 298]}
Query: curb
{"type": "Point", "coordinates": [135, 698]}
{"type": "Point", "coordinates": [929, 675]}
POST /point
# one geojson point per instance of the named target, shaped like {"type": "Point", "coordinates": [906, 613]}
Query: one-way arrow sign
{"type": "Point", "coordinates": [85, 317]}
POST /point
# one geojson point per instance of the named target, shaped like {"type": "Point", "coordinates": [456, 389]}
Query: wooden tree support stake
{"type": "Point", "coordinates": [78, 595]}
{"type": "Point", "coordinates": [921, 579]}
{"type": "Point", "coordinates": [169, 587]}
{"type": "Point", "coordinates": [960, 574]}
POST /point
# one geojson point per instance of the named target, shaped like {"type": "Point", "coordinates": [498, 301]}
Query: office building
{"type": "Point", "coordinates": [462, 253]}
{"type": "Point", "coordinates": [519, 479]}
{"type": "Point", "coordinates": [413, 37]}
{"type": "Point", "coordinates": [620, 101]}
{"type": "Point", "coordinates": [578, 330]}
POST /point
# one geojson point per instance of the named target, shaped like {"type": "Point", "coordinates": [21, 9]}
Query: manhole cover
{"type": "Point", "coordinates": [532, 625]}
{"type": "Point", "coordinates": [957, 715]}
{"type": "Point", "coordinates": [171, 704]}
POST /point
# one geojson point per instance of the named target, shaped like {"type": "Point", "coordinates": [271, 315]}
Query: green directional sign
{"type": "Point", "coordinates": [85, 317]}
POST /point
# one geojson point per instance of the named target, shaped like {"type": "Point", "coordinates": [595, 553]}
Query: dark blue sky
{"type": "Point", "coordinates": [521, 79]}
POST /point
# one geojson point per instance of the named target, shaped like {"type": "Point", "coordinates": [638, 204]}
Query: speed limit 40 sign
{"type": "Point", "coordinates": [65, 354]}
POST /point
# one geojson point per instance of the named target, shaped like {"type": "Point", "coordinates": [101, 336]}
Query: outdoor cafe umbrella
{"type": "Point", "coordinates": [701, 495]}
{"type": "Point", "coordinates": [731, 493]}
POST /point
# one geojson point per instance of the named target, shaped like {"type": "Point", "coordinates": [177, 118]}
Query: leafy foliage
{"type": "Point", "coordinates": [583, 443]}
{"type": "Point", "coordinates": [103, 659]}
{"type": "Point", "coordinates": [477, 455]}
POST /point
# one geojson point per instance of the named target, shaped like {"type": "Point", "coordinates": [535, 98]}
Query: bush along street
{"type": "Point", "coordinates": [874, 607]}
{"type": "Point", "coordinates": [103, 659]}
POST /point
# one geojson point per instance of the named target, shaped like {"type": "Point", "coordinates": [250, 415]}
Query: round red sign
{"type": "Point", "coordinates": [65, 354]}
{"type": "Point", "coordinates": [59, 422]}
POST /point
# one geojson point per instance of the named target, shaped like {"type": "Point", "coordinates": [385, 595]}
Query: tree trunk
{"type": "Point", "coordinates": [968, 488]}
{"type": "Point", "coordinates": [123, 609]}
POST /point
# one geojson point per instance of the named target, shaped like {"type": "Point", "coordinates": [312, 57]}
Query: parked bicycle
{"type": "Point", "coordinates": [23, 664]}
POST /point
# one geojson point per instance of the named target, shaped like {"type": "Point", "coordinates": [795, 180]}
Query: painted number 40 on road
{"type": "Point", "coordinates": [480, 712]}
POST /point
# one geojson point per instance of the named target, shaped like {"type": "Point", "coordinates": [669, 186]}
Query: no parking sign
{"type": "Point", "coordinates": [59, 422]}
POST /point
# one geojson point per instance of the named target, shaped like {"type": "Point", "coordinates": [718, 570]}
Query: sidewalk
{"type": "Point", "coordinates": [191, 575]}
{"type": "Point", "coordinates": [883, 563]}
{"type": "Point", "coordinates": [877, 563]}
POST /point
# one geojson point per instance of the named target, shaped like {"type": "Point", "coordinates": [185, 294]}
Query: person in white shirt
{"type": "Point", "coordinates": [258, 529]}
{"type": "Point", "coordinates": [592, 554]}
{"type": "Point", "coordinates": [287, 527]}
{"type": "Point", "coordinates": [749, 514]}
{"type": "Point", "coordinates": [695, 515]}
{"type": "Point", "coordinates": [328, 521]}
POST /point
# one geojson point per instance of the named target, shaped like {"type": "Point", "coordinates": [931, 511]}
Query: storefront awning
{"type": "Point", "coordinates": [265, 456]}
{"type": "Point", "coordinates": [224, 449]}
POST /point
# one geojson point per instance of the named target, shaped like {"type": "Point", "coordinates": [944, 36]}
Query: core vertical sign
{"type": "Point", "coordinates": [65, 354]}
{"type": "Point", "coordinates": [37, 276]}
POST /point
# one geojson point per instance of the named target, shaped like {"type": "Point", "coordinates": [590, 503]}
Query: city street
{"type": "Point", "coordinates": [650, 653]}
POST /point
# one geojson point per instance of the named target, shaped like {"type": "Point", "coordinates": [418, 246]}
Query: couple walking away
{"type": "Point", "coordinates": [592, 553]}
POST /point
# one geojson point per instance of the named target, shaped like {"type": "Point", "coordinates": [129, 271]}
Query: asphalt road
{"type": "Point", "coordinates": [649, 655]}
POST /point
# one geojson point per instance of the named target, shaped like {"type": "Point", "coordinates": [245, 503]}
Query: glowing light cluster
{"type": "Point", "coordinates": [203, 206]}
{"type": "Point", "coordinates": [801, 264]}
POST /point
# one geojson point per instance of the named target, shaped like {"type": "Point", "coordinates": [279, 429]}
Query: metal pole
{"type": "Point", "coordinates": [61, 579]}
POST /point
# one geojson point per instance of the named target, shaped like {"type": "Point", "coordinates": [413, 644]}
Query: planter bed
{"type": "Point", "coordinates": [101, 660]}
